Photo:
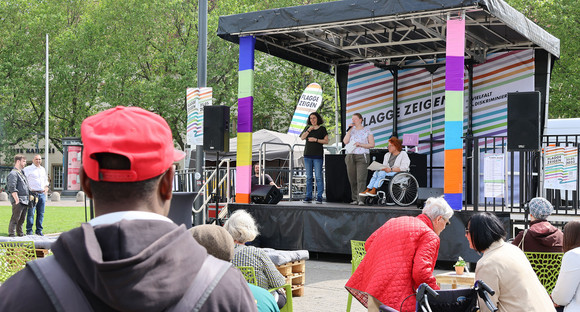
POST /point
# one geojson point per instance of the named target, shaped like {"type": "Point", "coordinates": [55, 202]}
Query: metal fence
{"type": "Point", "coordinates": [525, 174]}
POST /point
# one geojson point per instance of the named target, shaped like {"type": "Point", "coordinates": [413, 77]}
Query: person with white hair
{"type": "Point", "coordinates": [401, 255]}
{"type": "Point", "coordinates": [242, 227]}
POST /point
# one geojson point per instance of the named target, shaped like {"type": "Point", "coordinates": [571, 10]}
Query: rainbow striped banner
{"type": "Point", "coordinates": [245, 119]}
{"type": "Point", "coordinates": [309, 102]}
{"type": "Point", "coordinates": [454, 99]}
{"type": "Point", "coordinates": [369, 92]}
{"type": "Point", "coordinates": [197, 98]}
{"type": "Point", "coordinates": [560, 167]}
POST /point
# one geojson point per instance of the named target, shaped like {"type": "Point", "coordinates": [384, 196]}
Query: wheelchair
{"type": "Point", "coordinates": [455, 300]}
{"type": "Point", "coordinates": [401, 189]}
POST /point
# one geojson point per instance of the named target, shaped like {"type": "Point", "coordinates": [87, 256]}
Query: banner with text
{"type": "Point", "coordinates": [560, 168]}
{"type": "Point", "coordinates": [421, 96]}
{"type": "Point", "coordinates": [309, 102]}
{"type": "Point", "coordinates": [197, 98]}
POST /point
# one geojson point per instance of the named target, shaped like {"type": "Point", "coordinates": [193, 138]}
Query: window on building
{"type": "Point", "coordinates": [56, 177]}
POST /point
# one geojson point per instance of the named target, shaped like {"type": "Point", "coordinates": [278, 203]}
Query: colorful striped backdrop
{"type": "Point", "coordinates": [370, 93]}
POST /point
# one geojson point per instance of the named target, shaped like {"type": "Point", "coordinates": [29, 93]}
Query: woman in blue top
{"type": "Point", "coordinates": [315, 136]}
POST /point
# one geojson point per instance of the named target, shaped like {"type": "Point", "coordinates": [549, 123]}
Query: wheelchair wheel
{"type": "Point", "coordinates": [404, 189]}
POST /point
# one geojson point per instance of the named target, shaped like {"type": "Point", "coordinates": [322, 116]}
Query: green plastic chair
{"type": "Point", "coordinates": [13, 257]}
{"type": "Point", "coordinates": [547, 267]}
{"type": "Point", "coordinates": [250, 275]}
{"type": "Point", "coordinates": [358, 253]}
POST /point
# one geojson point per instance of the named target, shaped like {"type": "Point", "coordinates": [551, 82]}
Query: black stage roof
{"type": "Point", "coordinates": [398, 33]}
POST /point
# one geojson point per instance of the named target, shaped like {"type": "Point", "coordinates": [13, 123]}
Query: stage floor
{"type": "Point", "coordinates": [329, 227]}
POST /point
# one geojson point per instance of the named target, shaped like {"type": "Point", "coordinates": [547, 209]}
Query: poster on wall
{"type": "Point", "coordinates": [560, 168]}
{"type": "Point", "coordinates": [494, 175]}
{"type": "Point", "coordinates": [74, 166]}
{"type": "Point", "coordinates": [197, 98]}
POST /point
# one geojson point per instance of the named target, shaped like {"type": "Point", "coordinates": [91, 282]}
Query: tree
{"type": "Point", "coordinates": [560, 18]}
{"type": "Point", "coordinates": [133, 52]}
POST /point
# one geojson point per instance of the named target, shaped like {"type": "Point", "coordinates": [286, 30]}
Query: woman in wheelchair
{"type": "Point", "coordinates": [396, 160]}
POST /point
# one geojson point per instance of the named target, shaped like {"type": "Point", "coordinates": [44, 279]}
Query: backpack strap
{"type": "Point", "coordinates": [64, 293]}
{"type": "Point", "coordinates": [66, 296]}
{"type": "Point", "coordinates": [211, 272]}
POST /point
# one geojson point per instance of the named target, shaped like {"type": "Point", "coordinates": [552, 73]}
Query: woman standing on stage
{"type": "Point", "coordinates": [358, 159]}
{"type": "Point", "coordinates": [315, 136]}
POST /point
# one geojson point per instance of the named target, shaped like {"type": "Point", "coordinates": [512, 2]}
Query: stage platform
{"type": "Point", "coordinates": [329, 227]}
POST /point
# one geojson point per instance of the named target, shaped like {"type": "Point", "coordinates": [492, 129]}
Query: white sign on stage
{"type": "Point", "coordinates": [560, 167]}
{"type": "Point", "coordinates": [494, 175]}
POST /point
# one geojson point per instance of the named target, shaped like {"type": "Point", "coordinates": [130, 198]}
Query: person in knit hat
{"type": "Point", "coordinates": [541, 236]}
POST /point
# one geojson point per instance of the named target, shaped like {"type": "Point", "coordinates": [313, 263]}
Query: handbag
{"type": "Point", "coordinates": [33, 199]}
{"type": "Point", "coordinates": [521, 244]}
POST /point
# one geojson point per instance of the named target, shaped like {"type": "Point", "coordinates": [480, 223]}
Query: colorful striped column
{"type": "Point", "coordinates": [245, 119]}
{"type": "Point", "coordinates": [453, 166]}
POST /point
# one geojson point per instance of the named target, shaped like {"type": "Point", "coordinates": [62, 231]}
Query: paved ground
{"type": "Point", "coordinates": [324, 288]}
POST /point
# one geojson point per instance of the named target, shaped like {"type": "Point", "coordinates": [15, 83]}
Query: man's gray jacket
{"type": "Point", "coordinates": [16, 182]}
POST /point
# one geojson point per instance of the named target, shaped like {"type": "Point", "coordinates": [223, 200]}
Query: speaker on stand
{"type": "Point", "coordinates": [216, 138]}
{"type": "Point", "coordinates": [523, 121]}
{"type": "Point", "coordinates": [524, 135]}
{"type": "Point", "coordinates": [216, 128]}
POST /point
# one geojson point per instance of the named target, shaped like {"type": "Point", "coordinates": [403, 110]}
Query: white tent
{"type": "Point", "coordinates": [273, 151]}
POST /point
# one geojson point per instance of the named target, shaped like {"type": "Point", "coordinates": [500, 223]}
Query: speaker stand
{"type": "Point", "coordinates": [216, 195]}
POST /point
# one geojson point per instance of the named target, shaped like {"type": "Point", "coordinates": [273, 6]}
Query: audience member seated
{"type": "Point", "coordinates": [220, 244]}
{"type": "Point", "coordinates": [242, 227]}
{"type": "Point", "coordinates": [130, 257]}
{"type": "Point", "coordinates": [541, 236]}
{"type": "Point", "coordinates": [400, 256]}
{"type": "Point", "coordinates": [396, 160]}
{"type": "Point", "coordinates": [567, 290]}
{"type": "Point", "coordinates": [256, 177]}
{"type": "Point", "coordinates": [505, 268]}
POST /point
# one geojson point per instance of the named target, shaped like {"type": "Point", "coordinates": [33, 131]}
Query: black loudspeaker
{"type": "Point", "coordinates": [523, 126]}
{"type": "Point", "coordinates": [265, 194]}
{"type": "Point", "coordinates": [216, 128]}
{"type": "Point", "coordinates": [180, 208]}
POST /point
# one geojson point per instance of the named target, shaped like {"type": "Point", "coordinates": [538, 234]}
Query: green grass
{"type": "Point", "coordinates": [56, 219]}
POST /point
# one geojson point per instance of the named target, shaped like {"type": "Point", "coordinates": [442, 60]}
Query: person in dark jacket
{"type": "Point", "coordinates": [131, 257]}
{"type": "Point", "coordinates": [541, 236]}
{"type": "Point", "coordinates": [18, 193]}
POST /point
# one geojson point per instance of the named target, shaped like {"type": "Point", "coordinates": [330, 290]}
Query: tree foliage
{"type": "Point", "coordinates": [560, 18]}
{"type": "Point", "coordinates": [144, 53]}
{"type": "Point", "coordinates": [132, 52]}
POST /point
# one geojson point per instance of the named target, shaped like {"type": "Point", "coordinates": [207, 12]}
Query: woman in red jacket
{"type": "Point", "coordinates": [401, 255]}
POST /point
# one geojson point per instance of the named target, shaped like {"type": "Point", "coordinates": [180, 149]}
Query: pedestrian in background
{"type": "Point", "coordinates": [38, 182]}
{"type": "Point", "coordinates": [19, 195]}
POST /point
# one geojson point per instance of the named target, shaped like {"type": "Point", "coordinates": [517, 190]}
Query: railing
{"type": "Point", "coordinates": [185, 181]}
{"type": "Point", "coordinates": [262, 163]}
{"type": "Point", "coordinates": [524, 177]}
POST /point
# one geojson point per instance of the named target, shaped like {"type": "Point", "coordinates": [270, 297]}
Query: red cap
{"type": "Point", "coordinates": [141, 136]}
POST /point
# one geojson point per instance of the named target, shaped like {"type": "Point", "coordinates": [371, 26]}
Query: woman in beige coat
{"type": "Point", "coordinates": [505, 268]}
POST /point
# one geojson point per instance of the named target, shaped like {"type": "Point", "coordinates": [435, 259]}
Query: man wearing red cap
{"type": "Point", "coordinates": [131, 257]}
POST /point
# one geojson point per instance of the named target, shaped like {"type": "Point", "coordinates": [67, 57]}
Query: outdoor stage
{"type": "Point", "coordinates": [330, 227]}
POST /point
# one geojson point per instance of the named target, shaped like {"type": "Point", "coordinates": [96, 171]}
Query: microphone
{"type": "Point", "coordinates": [350, 127]}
